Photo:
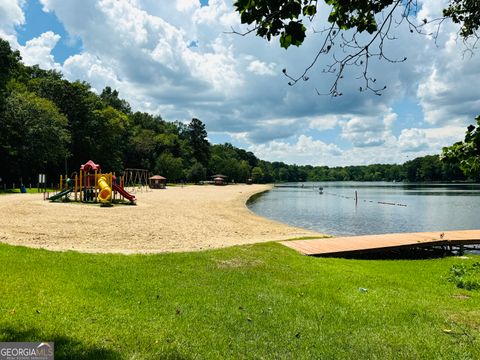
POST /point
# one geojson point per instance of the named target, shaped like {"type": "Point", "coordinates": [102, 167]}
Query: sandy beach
{"type": "Point", "coordinates": [188, 218]}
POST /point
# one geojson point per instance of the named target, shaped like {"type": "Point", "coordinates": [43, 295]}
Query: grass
{"type": "Point", "coordinates": [309, 237]}
{"type": "Point", "coordinates": [261, 301]}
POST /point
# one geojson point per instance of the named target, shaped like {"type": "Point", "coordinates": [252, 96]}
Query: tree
{"type": "Point", "coordinates": [348, 22]}
{"type": "Point", "coordinates": [111, 138]}
{"type": "Point", "coordinates": [9, 61]}
{"type": "Point", "coordinates": [147, 121]}
{"type": "Point", "coordinates": [430, 168]}
{"type": "Point", "coordinates": [197, 137]}
{"type": "Point", "coordinates": [144, 142]}
{"type": "Point", "coordinates": [34, 135]}
{"type": "Point", "coordinates": [247, 156]}
{"type": "Point", "coordinates": [466, 152]}
{"type": "Point", "coordinates": [169, 166]}
{"type": "Point", "coordinates": [284, 174]}
{"type": "Point", "coordinates": [141, 151]}
{"type": "Point", "coordinates": [257, 174]}
{"type": "Point", "coordinates": [78, 103]}
{"type": "Point", "coordinates": [466, 13]}
{"type": "Point", "coordinates": [228, 160]}
{"type": "Point", "coordinates": [196, 173]}
{"type": "Point", "coordinates": [111, 98]}
{"type": "Point", "coordinates": [243, 171]}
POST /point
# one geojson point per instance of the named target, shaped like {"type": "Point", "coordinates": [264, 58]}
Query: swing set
{"type": "Point", "coordinates": [136, 180]}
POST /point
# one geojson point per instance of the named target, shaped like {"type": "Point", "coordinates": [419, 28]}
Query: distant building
{"type": "Point", "coordinates": [219, 179]}
{"type": "Point", "coordinates": [157, 182]}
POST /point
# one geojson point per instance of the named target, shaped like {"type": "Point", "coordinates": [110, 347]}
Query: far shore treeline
{"type": "Point", "coordinates": [51, 125]}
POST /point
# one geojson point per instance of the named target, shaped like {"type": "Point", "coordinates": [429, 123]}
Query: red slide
{"type": "Point", "coordinates": [123, 192]}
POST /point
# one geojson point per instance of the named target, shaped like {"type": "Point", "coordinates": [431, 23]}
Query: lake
{"type": "Point", "coordinates": [381, 207]}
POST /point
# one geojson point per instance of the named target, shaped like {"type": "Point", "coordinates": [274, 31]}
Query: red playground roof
{"type": "Point", "coordinates": [90, 165]}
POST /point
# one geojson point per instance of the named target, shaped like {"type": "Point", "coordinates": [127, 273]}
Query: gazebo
{"type": "Point", "coordinates": [157, 182]}
{"type": "Point", "coordinates": [219, 179]}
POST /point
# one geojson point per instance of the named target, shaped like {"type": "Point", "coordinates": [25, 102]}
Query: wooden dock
{"type": "Point", "coordinates": [342, 246]}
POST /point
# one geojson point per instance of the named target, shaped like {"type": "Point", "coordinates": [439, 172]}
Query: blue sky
{"type": "Point", "coordinates": [176, 59]}
{"type": "Point", "coordinates": [38, 22]}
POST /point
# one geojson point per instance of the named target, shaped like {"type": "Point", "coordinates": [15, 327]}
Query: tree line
{"type": "Point", "coordinates": [51, 125]}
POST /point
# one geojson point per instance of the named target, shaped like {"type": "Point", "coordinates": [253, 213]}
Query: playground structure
{"type": "Point", "coordinates": [91, 186]}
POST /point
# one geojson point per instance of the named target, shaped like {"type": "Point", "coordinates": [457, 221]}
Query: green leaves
{"type": "Point", "coordinates": [466, 13]}
{"type": "Point", "coordinates": [309, 10]}
{"type": "Point", "coordinates": [197, 137]}
{"type": "Point", "coordinates": [294, 34]}
{"type": "Point", "coordinates": [35, 132]}
{"type": "Point", "coordinates": [466, 277]}
{"type": "Point", "coordinates": [359, 15]}
{"type": "Point", "coordinates": [467, 152]}
{"type": "Point", "coordinates": [273, 18]}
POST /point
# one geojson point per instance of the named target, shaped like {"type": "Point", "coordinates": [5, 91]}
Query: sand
{"type": "Point", "coordinates": [188, 218]}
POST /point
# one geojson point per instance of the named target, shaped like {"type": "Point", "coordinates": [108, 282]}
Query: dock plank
{"type": "Point", "coordinates": [364, 243]}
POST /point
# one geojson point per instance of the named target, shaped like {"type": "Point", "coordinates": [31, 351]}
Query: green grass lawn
{"type": "Point", "coordinates": [262, 301]}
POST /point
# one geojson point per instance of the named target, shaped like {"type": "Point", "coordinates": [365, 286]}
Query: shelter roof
{"type": "Point", "coordinates": [157, 177]}
{"type": "Point", "coordinates": [219, 176]}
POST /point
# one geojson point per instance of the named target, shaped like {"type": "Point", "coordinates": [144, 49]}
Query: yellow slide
{"type": "Point", "coordinates": [105, 193]}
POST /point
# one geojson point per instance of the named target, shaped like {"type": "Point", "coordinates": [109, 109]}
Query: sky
{"type": "Point", "coordinates": [179, 59]}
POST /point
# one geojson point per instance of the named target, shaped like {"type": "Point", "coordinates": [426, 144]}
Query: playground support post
{"type": "Point", "coordinates": [95, 187]}
{"type": "Point", "coordinates": [76, 186]}
{"type": "Point", "coordinates": [81, 186]}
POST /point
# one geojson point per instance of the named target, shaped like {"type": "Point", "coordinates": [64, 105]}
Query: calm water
{"type": "Point", "coordinates": [425, 207]}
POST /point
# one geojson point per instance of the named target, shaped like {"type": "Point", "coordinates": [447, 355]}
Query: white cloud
{"type": "Point", "coordinates": [38, 51]}
{"type": "Point", "coordinates": [217, 68]}
{"type": "Point", "coordinates": [11, 15]}
{"type": "Point", "coordinates": [323, 122]}
{"type": "Point", "coordinates": [443, 136]}
{"type": "Point", "coordinates": [448, 91]}
{"type": "Point", "coordinates": [413, 140]}
{"type": "Point", "coordinates": [217, 12]}
{"type": "Point", "coordinates": [305, 150]}
{"type": "Point", "coordinates": [260, 68]}
{"type": "Point", "coordinates": [91, 69]}
{"type": "Point", "coordinates": [141, 48]}
{"type": "Point", "coordinates": [187, 5]}
{"type": "Point", "coordinates": [233, 83]}
{"type": "Point", "coordinates": [363, 131]}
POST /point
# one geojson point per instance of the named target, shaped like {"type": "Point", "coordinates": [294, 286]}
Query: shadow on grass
{"type": "Point", "coordinates": [65, 347]}
{"type": "Point", "coordinates": [69, 348]}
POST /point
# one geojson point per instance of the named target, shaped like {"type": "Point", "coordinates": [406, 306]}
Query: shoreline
{"type": "Point", "coordinates": [176, 219]}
